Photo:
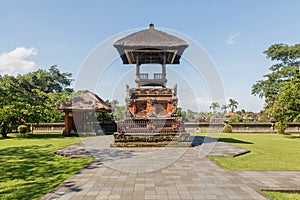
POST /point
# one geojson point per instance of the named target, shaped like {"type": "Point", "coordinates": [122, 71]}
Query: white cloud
{"type": "Point", "coordinates": [232, 38]}
{"type": "Point", "coordinates": [15, 61]}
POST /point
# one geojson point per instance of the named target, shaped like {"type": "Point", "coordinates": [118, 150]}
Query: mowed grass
{"type": "Point", "coordinates": [268, 152]}
{"type": "Point", "coordinates": [29, 169]}
{"type": "Point", "coordinates": [283, 195]}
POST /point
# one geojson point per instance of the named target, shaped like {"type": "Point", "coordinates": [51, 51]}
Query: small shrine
{"type": "Point", "coordinates": [151, 115]}
{"type": "Point", "coordinates": [80, 113]}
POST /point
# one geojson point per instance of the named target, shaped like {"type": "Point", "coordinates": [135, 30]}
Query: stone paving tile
{"type": "Point", "coordinates": [167, 173]}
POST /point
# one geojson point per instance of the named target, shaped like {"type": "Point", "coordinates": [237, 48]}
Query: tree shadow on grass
{"type": "Point", "coordinates": [198, 140]}
{"type": "Point", "coordinates": [32, 171]}
{"type": "Point", "coordinates": [43, 135]}
{"type": "Point", "coordinates": [292, 136]}
{"type": "Point", "coordinates": [232, 140]}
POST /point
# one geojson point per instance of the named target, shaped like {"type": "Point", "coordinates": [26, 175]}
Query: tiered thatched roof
{"type": "Point", "coordinates": [86, 100]}
{"type": "Point", "coordinates": [150, 39]}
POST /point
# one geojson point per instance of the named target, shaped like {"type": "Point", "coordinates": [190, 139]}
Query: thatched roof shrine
{"type": "Point", "coordinates": [86, 100]}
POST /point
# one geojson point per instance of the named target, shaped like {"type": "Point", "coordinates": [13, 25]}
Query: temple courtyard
{"type": "Point", "coordinates": [166, 173]}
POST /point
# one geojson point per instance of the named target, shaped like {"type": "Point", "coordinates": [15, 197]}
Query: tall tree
{"type": "Point", "coordinates": [224, 108]}
{"type": "Point", "coordinates": [286, 67]}
{"type": "Point", "coordinates": [286, 105]}
{"type": "Point", "coordinates": [51, 80]}
{"type": "Point", "coordinates": [25, 99]}
{"type": "Point", "coordinates": [280, 88]}
{"type": "Point", "coordinates": [214, 106]}
{"type": "Point", "coordinates": [232, 104]}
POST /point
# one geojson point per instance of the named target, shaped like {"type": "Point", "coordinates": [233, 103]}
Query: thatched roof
{"type": "Point", "coordinates": [86, 100]}
{"type": "Point", "coordinates": [150, 39]}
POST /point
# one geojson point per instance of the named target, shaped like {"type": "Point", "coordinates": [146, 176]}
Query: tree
{"type": "Point", "coordinates": [232, 104]}
{"type": "Point", "coordinates": [119, 112]}
{"type": "Point", "coordinates": [183, 115]}
{"type": "Point", "coordinates": [285, 68]}
{"type": "Point", "coordinates": [286, 106]}
{"type": "Point", "coordinates": [224, 108]}
{"type": "Point", "coordinates": [25, 99]}
{"type": "Point", "coordinates": [236, 118]}
{"type": "Point", "coordinates": [46, 81]}
{"type": "Point", "coordinates": [214, 106]}
{"type": "Point", "coordinates": [190, 115]}
{"type": "Point", "coordinates": [280, 88]}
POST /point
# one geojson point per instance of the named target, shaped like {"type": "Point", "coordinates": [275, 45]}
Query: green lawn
{"type": "Point", "coordinates": [29, 169]}
{"type": "Point", "coordinates": [282, 195]}
{"type": "Point", "coordinates": [268, 152]}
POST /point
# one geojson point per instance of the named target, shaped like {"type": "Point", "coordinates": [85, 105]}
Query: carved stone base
{"type": "Point", "coordinates": [151, 139]}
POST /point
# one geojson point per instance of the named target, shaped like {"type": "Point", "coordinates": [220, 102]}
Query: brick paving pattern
{"type": "Point", "coordinates": [166, 173]}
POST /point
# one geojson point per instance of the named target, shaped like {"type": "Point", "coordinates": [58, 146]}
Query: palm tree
{"type": "Point", "coordinates": [224, 108]}
{"type": "Point", "coordinates": [214, 106]}
{"type": "Point", "coordinates": [232, 104]}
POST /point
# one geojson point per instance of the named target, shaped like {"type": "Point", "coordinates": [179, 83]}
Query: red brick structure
{"type": "Point", "coordinates": [151, 116]}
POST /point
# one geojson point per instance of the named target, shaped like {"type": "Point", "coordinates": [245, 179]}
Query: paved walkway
{"type": "Point", "coordinates": [166, 173]}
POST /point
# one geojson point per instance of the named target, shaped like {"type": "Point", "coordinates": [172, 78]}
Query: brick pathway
{"type": "Point", "coordinates": [166, 173]}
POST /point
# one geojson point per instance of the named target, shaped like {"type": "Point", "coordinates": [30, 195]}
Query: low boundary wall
{"type": "Point", "coordinates": [58, 127]}
{"type": "Point", "coordinates": [238, 127]}
{"type": "Point", "coordinates": [241, 127]}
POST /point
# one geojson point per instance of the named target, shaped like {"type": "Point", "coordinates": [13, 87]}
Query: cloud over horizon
{"type": "Point", "coordinates": [232, 38]}
{"type": "Point", "coordinates": [16, 61]}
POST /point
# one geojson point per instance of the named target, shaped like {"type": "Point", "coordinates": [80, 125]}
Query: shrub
{"type": "Point", "coordinates": [227, 128]}
{"type": "Point", "coordinates": [22, 129]}
{"type": "Point", "coordinates": [236, 118]}
{"type": "Point", "coordinates": [280, 127]}
{"type": "Point", "coordinates": [297, 119]}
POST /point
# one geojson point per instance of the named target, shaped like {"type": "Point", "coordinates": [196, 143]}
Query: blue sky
{"type": "Point", "coordinates": [37, 34]}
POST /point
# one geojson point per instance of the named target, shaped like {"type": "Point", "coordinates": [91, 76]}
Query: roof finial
{"type": "Point", "coordinates": [151, 26]}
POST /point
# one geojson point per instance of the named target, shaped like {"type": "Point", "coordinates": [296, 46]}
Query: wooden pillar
{"type": "Point", "coordinates": [164, 71]}
{"type": "Point", "coordinates": [138, 76]}
{"type": "Point", "coordinates": [164, 74]}
{"type": "Point", "coordinates": [68, 122]}
{"type": "Point", "coordinates": [138, 72]}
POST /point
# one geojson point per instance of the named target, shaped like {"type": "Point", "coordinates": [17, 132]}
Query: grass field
{"type": "Point", "coordinates": [29, 169]}
{"type": "Point", "coordinates": [283, 196]}
{"type": "Point", "coordinates": [268, 152]}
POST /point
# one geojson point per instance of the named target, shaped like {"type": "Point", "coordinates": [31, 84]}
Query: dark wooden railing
{"type": "Point", "coordinates": [148, 126]}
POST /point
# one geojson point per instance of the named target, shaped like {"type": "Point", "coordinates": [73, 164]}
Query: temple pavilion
{"type": "Point", "coordinates": [151, 116]}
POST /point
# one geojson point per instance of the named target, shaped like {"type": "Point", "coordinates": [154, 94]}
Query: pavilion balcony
{"type": "Point", "coordinates": [145, 76]}
{"type": "Point", "coordinates": [159, 79]}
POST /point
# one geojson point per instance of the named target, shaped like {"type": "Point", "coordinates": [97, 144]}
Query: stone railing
{"type": "Point", "coordinates": [58, 127]}
{"type": "Point", "coordinates": [241, 127]}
